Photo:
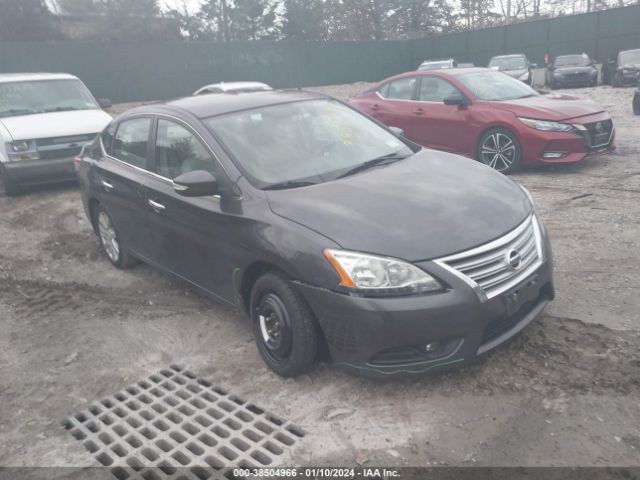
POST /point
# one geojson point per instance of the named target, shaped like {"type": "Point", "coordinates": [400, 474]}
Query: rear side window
{"type": "Point", "coordinates": [130, 142]}
{"type": "Point", "coordinates": [108, 137]}
{"type": "Point", "coordinates": [434, 89]}
{"type": "Point", "coordinates": [401, 89]}
{"type": "Point", "coordinates": [178, 151]}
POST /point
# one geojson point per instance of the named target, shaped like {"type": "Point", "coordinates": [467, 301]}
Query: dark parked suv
{"type": "Point", "coordinates": [324, 226]}
{"type": "Point", "coordinates": [622, 69]}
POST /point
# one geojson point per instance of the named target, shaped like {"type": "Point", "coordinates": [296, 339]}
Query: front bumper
{"type": "Point", "coordinates": [40, 172]}
{"type": "Point", "coordinates": [575, 81]}
{"type": "Point", "coordinates": [536, 143]}
{"type": "Point", "coordinates": [388, 336]}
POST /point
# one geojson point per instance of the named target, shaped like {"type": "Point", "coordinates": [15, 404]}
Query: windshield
{"type": "Point", "coordinates": [310, 141]}
{"type": "Point", "coordinates": [435, 65]}
{"type": "Point", "coordinates": [630, 56]}
{"type": "Point", "coordinates": [495, 86]}
{"type": "Point", "coordinates": [508, 63]}
{"type": "Point", "coordinates": [572, 61]}
{"type": "Point", "coordinates": [26, 98]}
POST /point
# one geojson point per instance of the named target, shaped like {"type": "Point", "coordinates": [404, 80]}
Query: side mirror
{"type": "Point", "coordinates": [397, 131]}
{"type": "Point", "coordinates": [533, 65]}
{"type": "Point", "coordinates": [198, 183]}
{"type": "Point", "coordinates": [104, 103]}
{"type": "Point", "coordinates": [455, 99]}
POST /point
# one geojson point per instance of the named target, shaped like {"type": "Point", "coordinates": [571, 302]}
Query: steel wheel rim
{"type": "Point", "coordinates": [275, 327]}
{"type": "Point", "coordinates": [498, 151]}
{"type": "Point", "coordinates": [108, 237]}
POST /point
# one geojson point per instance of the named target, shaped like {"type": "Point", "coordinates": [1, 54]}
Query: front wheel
{"type": "Point", "coordinates": [110, 241]}
{"type": "Point", "coordinates": [499, 149]}
{"type": "Point", "coordinates": [11, 188]}
{"type": "Point", "coordinates": [617, 80]}
{"type": "Point", "coordinates": [283, 325]}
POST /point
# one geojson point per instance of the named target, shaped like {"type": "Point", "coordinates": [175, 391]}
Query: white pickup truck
{"type": "Point", "coordinates": [45, 119]}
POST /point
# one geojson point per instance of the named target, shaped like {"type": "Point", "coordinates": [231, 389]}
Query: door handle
{"type": "Point", "coordinates": [107, 186]}
{"type": "Point", "coordinates": [375, 107]}
{"type": "Point", "coordinates": [158, 207]}
{"type": "Point", "coordinates": [419, 112]}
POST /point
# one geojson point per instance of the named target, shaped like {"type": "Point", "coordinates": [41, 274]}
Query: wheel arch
{"type": "Point", "coordinates": [496, 125]}
{"type": "Point", "coordinates": [93, 205]}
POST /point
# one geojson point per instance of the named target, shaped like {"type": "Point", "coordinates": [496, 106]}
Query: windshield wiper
{"type": "Point", "coordinates": [289, 184]}
{"type": "Point", "coordinates": [63, 109]}
{"type": "Point", "coordinates": [389, 158]}
{"type": "Point", "coordinates": [18, 111]}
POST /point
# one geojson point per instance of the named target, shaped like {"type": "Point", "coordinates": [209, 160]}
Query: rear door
{"type": "Point", "coordinates": [393, 103]}
{"type": "Point", "coordinates": [120, 176]}
{"type": "Point", "coordinates": [440, 126]}
{"type": "Point", "coordinates": [191, 235]}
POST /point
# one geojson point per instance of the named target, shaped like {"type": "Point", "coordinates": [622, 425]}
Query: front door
{"type": "Point", "coordinates": [440, 126]}
{"type": "Point", "coordinates": [191, 235]}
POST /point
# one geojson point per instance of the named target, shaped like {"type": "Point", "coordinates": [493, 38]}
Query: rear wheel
{"type": "Point", "coordinates": [499, 149]}
{"type": "Point", "coordinates": [11, 188]}
{"type": "Point", "coordinates": [110, 240]}
{"type": "Point", "coordinates": [283, 325]}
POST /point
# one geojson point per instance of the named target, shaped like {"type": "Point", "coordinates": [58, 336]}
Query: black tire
{"type": "Point", "coordinates": [110, 242]}
{"type": "Point", "coordinates": [11, 188]}
{"type": "Point", "coordinates": [509, 159]}
{"type": "Point", "coordinates": [636, 103]}
{"type": "Point", "coordinates": [287, 333]}
{"type": "Point", "coordinates": [617, 80]}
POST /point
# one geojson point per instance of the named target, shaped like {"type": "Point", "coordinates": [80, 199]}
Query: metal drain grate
{"type": "Point", "coordinates": [174, 425]}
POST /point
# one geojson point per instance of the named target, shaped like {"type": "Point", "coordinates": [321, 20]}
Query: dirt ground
{"type": "Point", "coordinates": [74, 330]}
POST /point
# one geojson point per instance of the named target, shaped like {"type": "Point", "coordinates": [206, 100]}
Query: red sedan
{"type": "Point", "coordinates": [487, 115]}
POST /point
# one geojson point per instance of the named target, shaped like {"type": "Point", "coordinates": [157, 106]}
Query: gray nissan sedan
{"type": "Point", "coordinates": [329, 230]}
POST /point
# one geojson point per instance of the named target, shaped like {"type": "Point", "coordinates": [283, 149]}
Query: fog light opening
{"type": "Point", "coordinates": [431, 347]}
{"type": "Point", "coordinates": [554, 154]}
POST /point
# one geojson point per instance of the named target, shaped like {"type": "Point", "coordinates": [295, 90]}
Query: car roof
{"type": "Point", "coordinates": [31, 77]}
{"type": "Point", "coordinates": [204, 106]}
{"type": "Point", "coordinates": [438, 60]}
{"type": "Point", "coordinates": [230, 86]}
{"type": "Point", "coordinates": [511, 55]}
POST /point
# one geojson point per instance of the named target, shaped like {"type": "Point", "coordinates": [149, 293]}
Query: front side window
{"type": "Point", "coordinates": [401, 89]}
{"type": "Point", "coordinates": [178, 151]}
{"type": "Point", "coordinates": [43, 96]}
{"type": "Point", "coordinates": [131, 140]}
{"type": "Point", "coordinates": [311, 141]}
{"type": "Point", "coordinates": [495, 86]}
{"type": "Point", "coordinates": [434, 89]}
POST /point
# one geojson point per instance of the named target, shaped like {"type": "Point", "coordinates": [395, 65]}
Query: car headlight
{"type": "Point", "coordinates": [20, 146]}
{"type": "Point", "coordinates": [372, 274]}
{"type": "Point", "coordinates": [545, 125]}
{"type": "Point", "coordinates": [524, 76]}
{"type": "Point", "coordinates": [22, 150]}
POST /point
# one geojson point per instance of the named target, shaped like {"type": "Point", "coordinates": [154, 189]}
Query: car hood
{"type": "Point", "coordinates": [576, 69]}
{"type": "Point", "coordinates": [55, 124]}
{"type": "Point", "coordinates": [555, 107]}
{"type": "Point", "coordinates": [515, 73]}
{"type": "Point", "coordinates": [427, 206]}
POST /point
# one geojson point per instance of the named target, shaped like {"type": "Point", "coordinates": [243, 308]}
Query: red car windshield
{"type": "Point", "coordinates": [495, 86]}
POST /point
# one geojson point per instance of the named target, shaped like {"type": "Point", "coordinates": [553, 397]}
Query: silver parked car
{"type": "Point", "coordinates": [517, 66]}
{"type": "Point", "coordinates": [233, 87]}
